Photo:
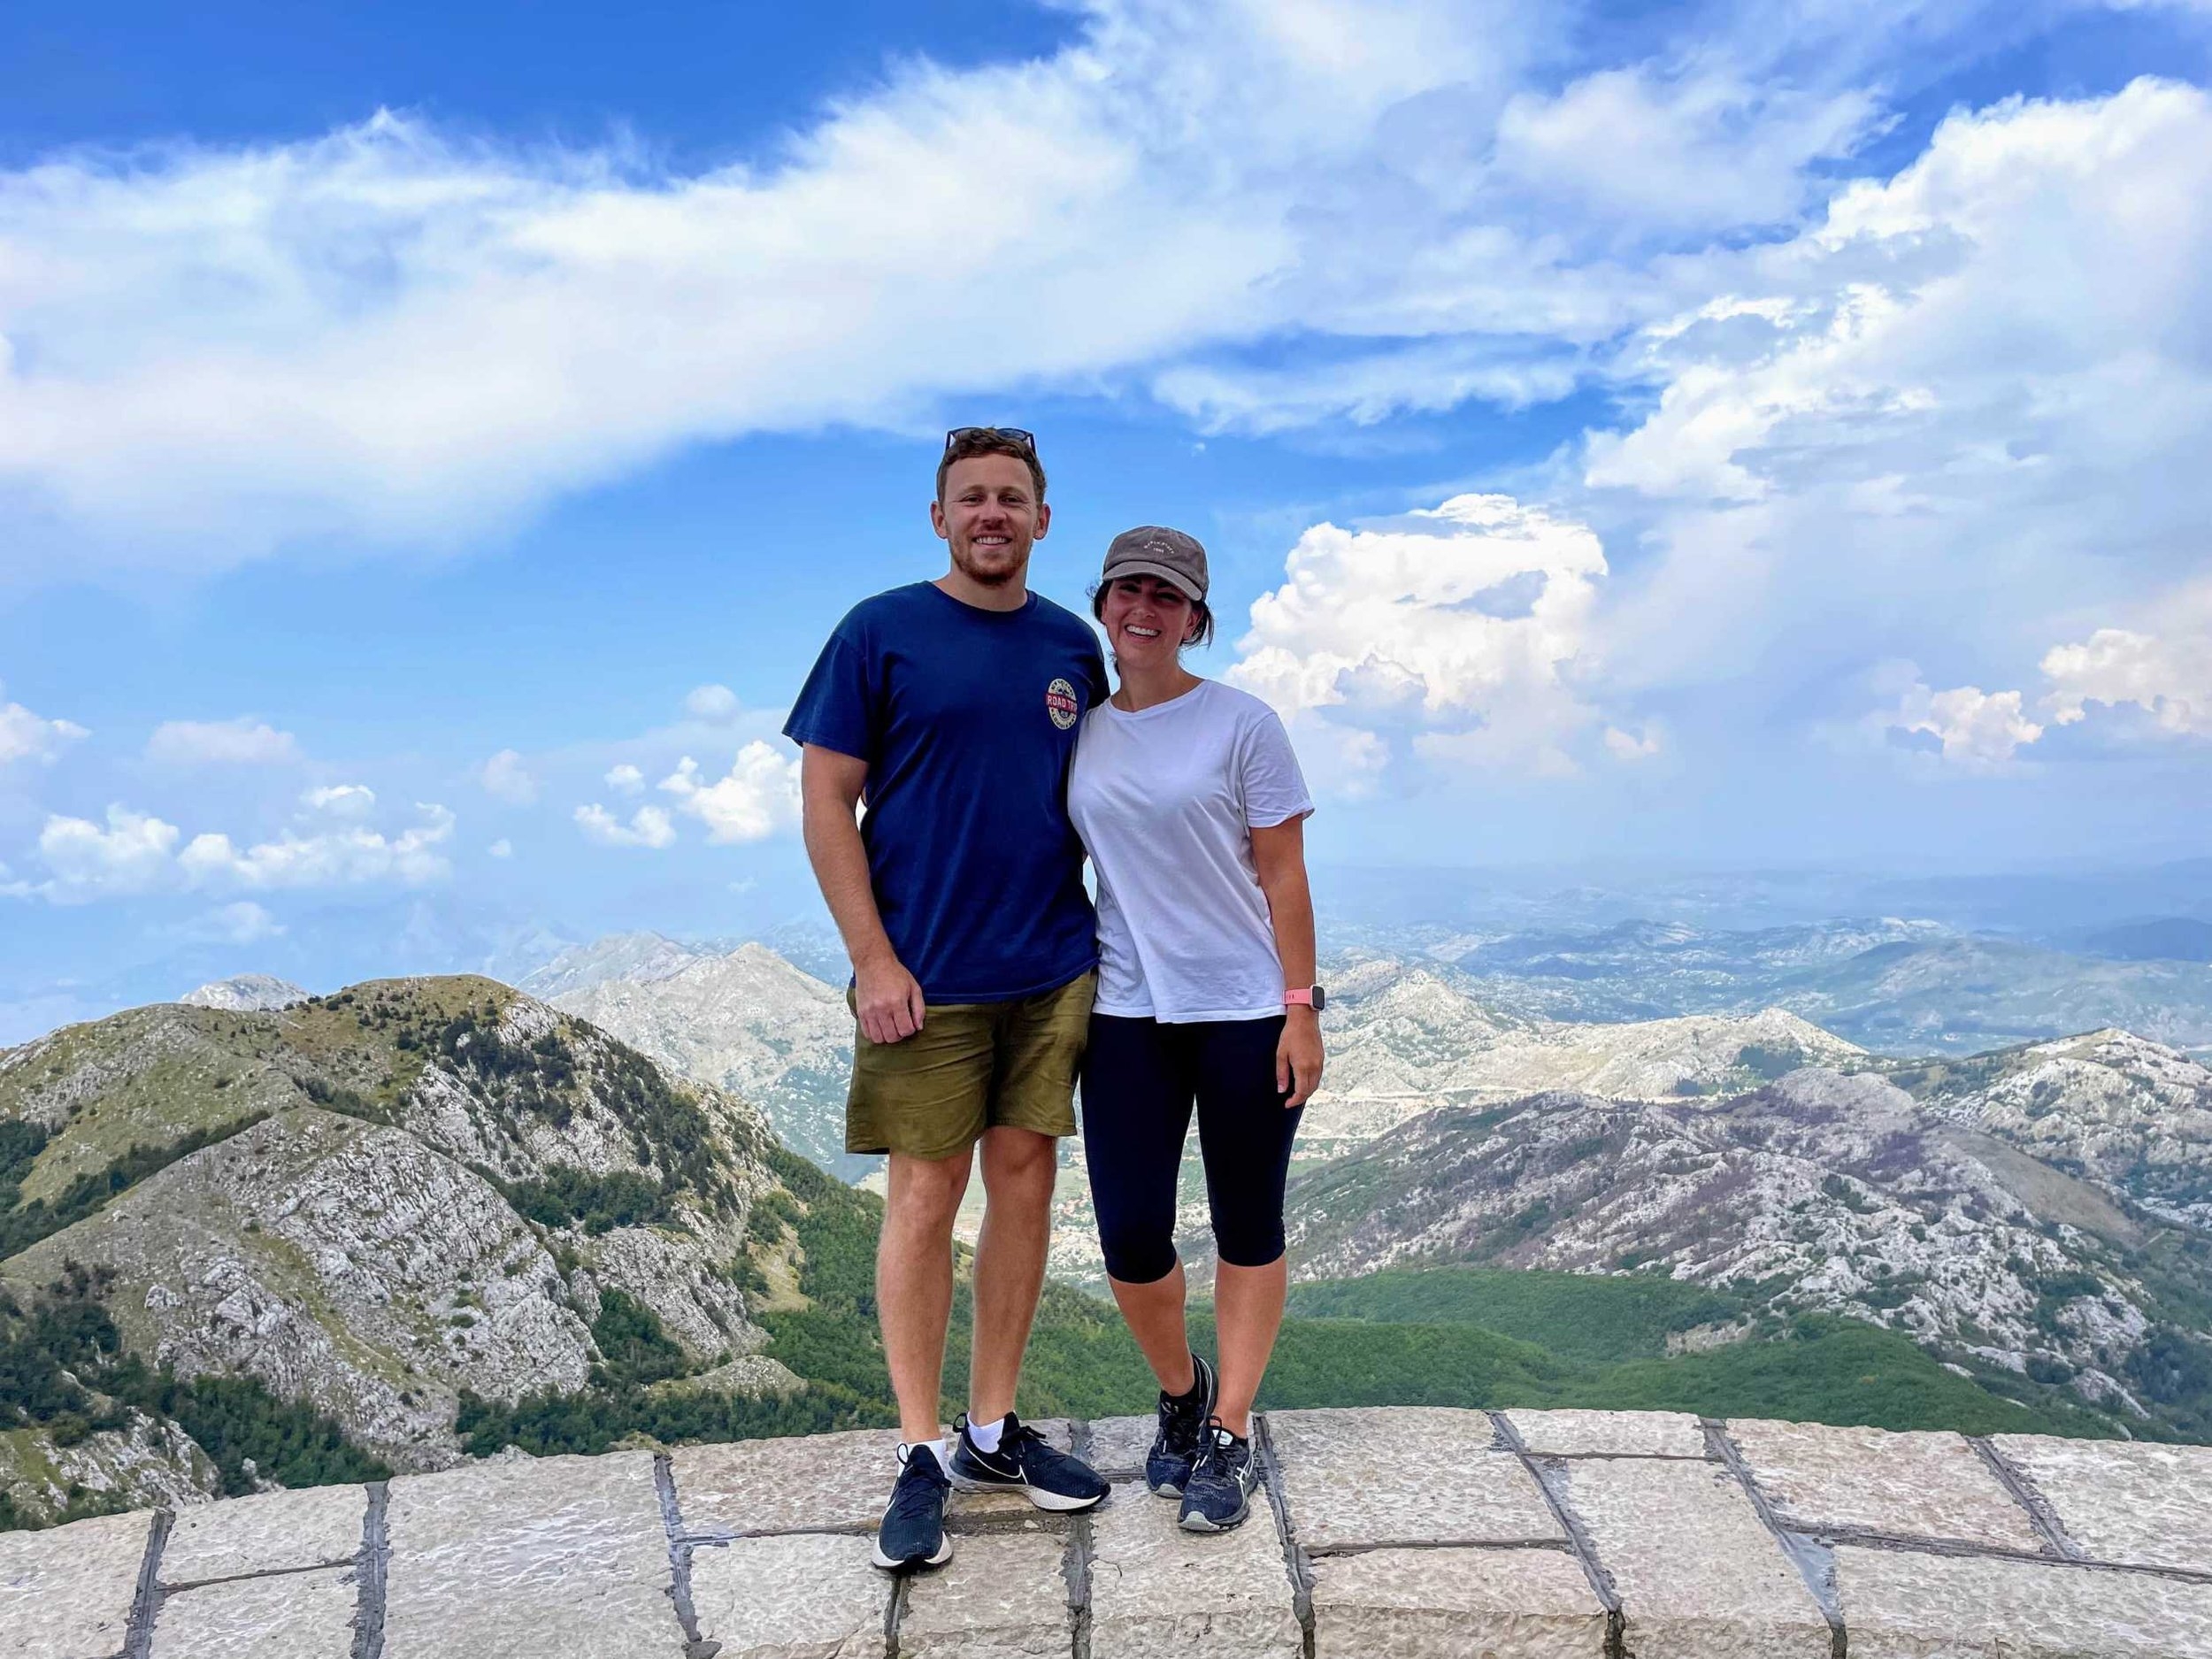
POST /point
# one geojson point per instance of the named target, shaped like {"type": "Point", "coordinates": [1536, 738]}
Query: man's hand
{"type": "Point", "coordinates": [889, 1000]}
{"type": "Point", "coordinates": [1298, 1055]}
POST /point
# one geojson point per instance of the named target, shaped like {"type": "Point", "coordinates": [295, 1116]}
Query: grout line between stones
{"type": "Point", "coordinates": [894, 1611]}
{"type": "Point", "coordinates": [2040, 1514]}
{"type": "Point", "coordinates": [1816, 1563]}
{"type": "Point", "coordinates": [370, 1580]}
{"type": "Point", "coordinates": [1952, 1550]}
{"type": "Point", "coordinates": [1296, 1561]}
{"type": "Point", "coordinates": [696, 1647]}
{"type": "Point", "coordinates": [1075, 1563]}
{"type": "Point", "coordinates": [1586, 1552]}
{"type": "Point", "coordinates": [170, 1587]}
{"type": "Point", "coordinates": [1554, 1545]}
{"type": "Point", "coordinates": [138, 1634]}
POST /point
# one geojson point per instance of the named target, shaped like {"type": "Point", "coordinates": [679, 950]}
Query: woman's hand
{"type": "Point", "coordinates": [1298, 1055]}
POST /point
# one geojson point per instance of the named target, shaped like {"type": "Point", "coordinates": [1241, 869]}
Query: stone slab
{"type": "Point", "coordinates": [1906, 1485]}
{"type": "Point", "coordinates": [66, 1593]}
{"type": "Point", "coordinates": [292, 1615]}
{"type": "Point", "coordinates": [1698, 1574]}
{"type": "Point", "coordinates": [518, 1560]}
{"type": "Point", "coordinates": [1002, 1595]}
{"type": "Point", "coordinates": [1455, 1604]}
{"type": "Point", "coordinates": [1415, 1474]}
{"type": "Point", "coordinates": [818, 1480]}
{"type": "Point", "coordinates": [316, 1527]}
{"type": "Point", "coordinates": [794, 1597]}
{"type": "Point", "coordinates": [1118, 1445]}
{"type": "Point", "coordinates": [1160, 1592]}
{"type": "Point", "coordinates": [2133, 1501]}
{"type": "Point", "coordinates": [1610, 1434]}
{"type": "Point", "coordinates": [1908, 1606]}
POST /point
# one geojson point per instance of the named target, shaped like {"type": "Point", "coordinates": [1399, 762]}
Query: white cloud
{"type": "Point", "coordinates": [338, 858]}
{"type": "Point", "coordinates": [2168, 673]}
{"type": "Point", "coordinates": [1978, 730]}
{"type": "Point", "coordinates": [1453, 635]}
{"type": "Point", "coordinates": [1636, 150]}
{"type": "Point", "coordinates": [392, 334]}
{"type": "Point", "coordinates": [348, 800]}
{"type": "Point", "coordinates": [1933, 418]}
{"type": "Point", "coordinates": [648, 827]}
{"type": "Point", "coordinates": [711, 703]}
{"type": "Point", "coordinates": [506, 778]}
{"type": "Point", "coordinates": [244, 742]}
{"type": "Point", "coordinates": [241, 923]}
{"type": "Point", "coordinates": [27, 736]}
{"type": "Point", "coordinates": [626, 780]}
{"type": "Point", "coordinates": [502, 848]}
{"type": "Point", "coordinates": [132, 853]}
{"type": "Point", "coordinates": [759, 797]}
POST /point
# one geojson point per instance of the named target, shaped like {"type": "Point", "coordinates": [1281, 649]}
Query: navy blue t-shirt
{"type": "Point", "coordinates": [967, 719]}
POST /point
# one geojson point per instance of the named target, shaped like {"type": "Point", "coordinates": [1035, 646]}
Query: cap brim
{"type": "Point", "coordinates": [1175, 578]}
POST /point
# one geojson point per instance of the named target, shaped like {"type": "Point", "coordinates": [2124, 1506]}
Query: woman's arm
{"type": "Point", "coordinates": [1280, 852]}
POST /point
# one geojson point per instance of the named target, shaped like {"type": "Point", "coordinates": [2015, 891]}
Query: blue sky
{"type": "Point", "coordinates": [1713, 435]}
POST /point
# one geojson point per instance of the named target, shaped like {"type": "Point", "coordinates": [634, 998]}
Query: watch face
{"type": "Point", "coordinates": [1320, 999]}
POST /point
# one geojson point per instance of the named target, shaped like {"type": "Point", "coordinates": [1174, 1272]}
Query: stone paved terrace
{"type": "Point", "coordinates": [1420, 1533]}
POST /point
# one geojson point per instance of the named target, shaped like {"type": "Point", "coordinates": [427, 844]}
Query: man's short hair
{"type": "Point", "coordinates": [976, 441]}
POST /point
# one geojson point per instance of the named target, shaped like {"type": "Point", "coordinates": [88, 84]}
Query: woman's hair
{"type": "Point", "coordinates": [1203, 635]}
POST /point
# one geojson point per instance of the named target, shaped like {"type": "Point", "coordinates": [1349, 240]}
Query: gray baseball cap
{"type": "Point", "coordinates": [1152, 551]}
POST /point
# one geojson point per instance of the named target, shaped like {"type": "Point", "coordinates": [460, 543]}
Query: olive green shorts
{"type": "Point", "coordinates": [972, 1067]}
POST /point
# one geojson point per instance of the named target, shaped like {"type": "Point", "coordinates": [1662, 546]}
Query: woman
{"type": "Point", "coordinates": [1188, 798]}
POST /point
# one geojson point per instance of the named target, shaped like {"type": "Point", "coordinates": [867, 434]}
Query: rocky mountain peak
{"type": "Point", "coordinates": [245, 992]}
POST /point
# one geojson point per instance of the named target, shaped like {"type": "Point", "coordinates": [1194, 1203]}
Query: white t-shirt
{"type": "Point", "coordinates": [1165, 801]}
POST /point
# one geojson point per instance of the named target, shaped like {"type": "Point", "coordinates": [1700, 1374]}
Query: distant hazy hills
{"type": "Point", "coordinates": [244, 994]}
{"type": "Point", "coordinates": [1898, 986]}
{"type": "Point", "coordinates": [747, 1021]}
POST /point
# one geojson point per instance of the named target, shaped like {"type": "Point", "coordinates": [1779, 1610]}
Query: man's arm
{"type": "Point", "coordinates": [889, 997]}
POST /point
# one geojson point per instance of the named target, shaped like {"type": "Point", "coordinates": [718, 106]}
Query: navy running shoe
{"type": "Point", "coordinates": [1024, 1463]}
{"type": "Point", "coordinates": [913, 1530]}
{"type": "Point", "coordinates": [1220, 1495]}
{"type": "Point", "coordinates": [1182, 1432]}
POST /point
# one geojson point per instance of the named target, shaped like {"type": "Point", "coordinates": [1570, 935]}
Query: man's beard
{"type": "Point", "coordinates": [987, 575]}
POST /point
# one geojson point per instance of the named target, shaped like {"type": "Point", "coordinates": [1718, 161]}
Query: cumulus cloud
{"type": "Point", "coordinates": [1932, 417]}
{"type": "Point", "coordinates": [505, 777]}
{"type": "Point", "coordinates": [335, 857]}
{"type": "Point", "coordinates": [500, 848]}
{"type": "Point", "coordinates": [27, 736]}
{"type": "Point", "coordinates": [648, 827]}
{"type": "Point", "coordinates": [135, 852]}
{"type": "Point", "coordinates": [349, 801]}
{"type": "Point", "coordinates": [1453, 634]}
{"type": "Point", "coordinates": [626, 780]}
{"type": "Point", "coordinates": [758, 797]}
{"type": "Point", "coordinates": [244, 742]}
{"type": "Point", "coordinates": [1978, 730]}
{"type": "Point", "coordinates": [2166, 674]}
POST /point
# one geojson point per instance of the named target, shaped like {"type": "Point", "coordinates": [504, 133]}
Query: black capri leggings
{"type": "Point", "coordinates": [1140, 1079]}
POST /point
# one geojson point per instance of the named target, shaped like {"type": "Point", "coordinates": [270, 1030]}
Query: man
{"type": "Point", "coordinates": [951, 708]}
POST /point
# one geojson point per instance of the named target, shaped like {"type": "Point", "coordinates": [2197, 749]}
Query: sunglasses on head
{"type": "Point", "coordinates": [1027, 440]}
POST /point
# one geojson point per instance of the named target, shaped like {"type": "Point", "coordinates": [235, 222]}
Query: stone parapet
{"type": "Point", "coordinates": [1397, 1533]}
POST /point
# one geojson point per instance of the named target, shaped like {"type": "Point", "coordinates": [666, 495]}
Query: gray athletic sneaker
{"type": "Point", "coordinates": [1220, 1495]}
{"type": "Point", "coordinates": [1181, 1435]}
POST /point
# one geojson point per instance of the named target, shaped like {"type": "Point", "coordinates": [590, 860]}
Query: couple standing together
{"type": "Point", "coordinates": [973, 720]}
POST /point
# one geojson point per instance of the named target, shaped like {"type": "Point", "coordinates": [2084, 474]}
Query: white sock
{"type": "Point", "coordinates": [985, 1435]}
{"type": "Point", "coordinates": [936, 1449]}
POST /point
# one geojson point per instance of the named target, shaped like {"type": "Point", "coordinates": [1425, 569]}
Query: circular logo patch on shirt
{"type": "Point", "coordinates": [1060, 704]}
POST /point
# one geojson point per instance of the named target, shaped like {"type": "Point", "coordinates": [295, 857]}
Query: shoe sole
{"type": "Point", "coordinates": [1052, 1502]}
{"type": "Point", "coordinates": [914, 1563]}
{"type": "Point", "coordinates": [1202, 1523]}
{"type": "Point", "coordinates": [1164, 1490]}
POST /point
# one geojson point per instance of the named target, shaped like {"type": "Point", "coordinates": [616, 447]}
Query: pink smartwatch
{"type": "Point", "coordinates": [1307, 996]}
